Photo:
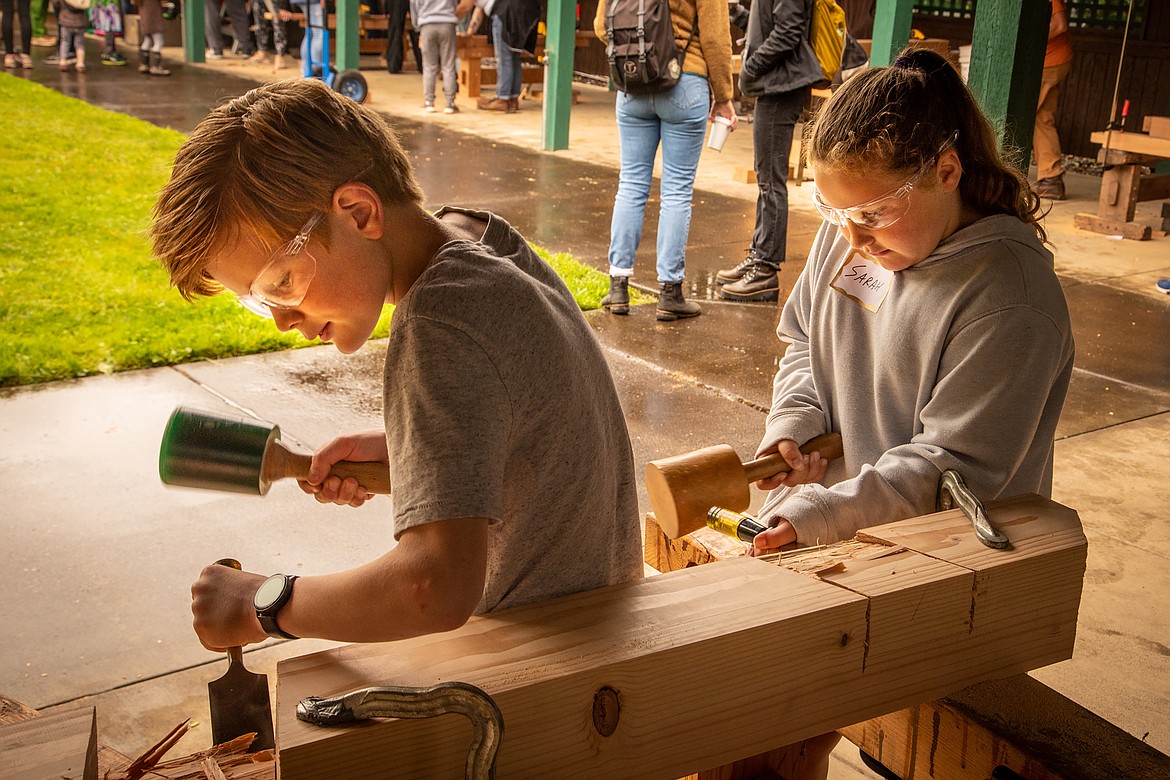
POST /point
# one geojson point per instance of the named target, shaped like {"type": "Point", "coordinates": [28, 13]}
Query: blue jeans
{"type": "Point", "coordinates": [316, 18]}
{"type": "Point", "coordinates": [507, 63]}
{"type": "Point", "coordinates": [677, 118]}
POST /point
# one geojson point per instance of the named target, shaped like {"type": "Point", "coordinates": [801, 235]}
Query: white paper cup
{"type": "Point", "coordinates": [720, 127]}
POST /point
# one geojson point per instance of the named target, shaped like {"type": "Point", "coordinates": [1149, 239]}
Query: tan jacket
{"type": "Point", "coordinates": [709, 54]}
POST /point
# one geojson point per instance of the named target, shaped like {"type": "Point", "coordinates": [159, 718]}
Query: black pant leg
{"type": "Point", "coordinates": [396, 11]}
{"type": "Point", "coordinates": [773, 124]}
{"type": "Point", "coordinates": [238, 13]}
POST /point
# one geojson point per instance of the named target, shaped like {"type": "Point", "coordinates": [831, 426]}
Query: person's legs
{"type": "Point", "coordinates": [683, 111]}
{"type": "Point", "coordinates": [262, 29]}
{"type": "Point", "coordinates": [507, 63]}
{"type": "Point", "coordinates": [238, 13]}
{"type": "Point", "coordinates": [211, 27]}
{"type": "Point", "coordinates": [65, 40]}
{"type": "Point", "coordinates": [428, 41]}
{"type": "Point", "coordinates": [395, 27]}
{"type": "Point", "coordinates": [447, 62]}
{"type": "Point", "coordinates": [156, 66]}
{"type": "Point", "coordinates": [36, 16]}
{"type": "Point", "coordinates": [639, 133]}
{"type": "Point", "coordinates": [1045, 140]}
{"type": "Point", "coordinates": [78, 37]}
{"type": "Point", "coordinates": [22, 10]}
{"type": "Point", "coordinates": [6, 10]}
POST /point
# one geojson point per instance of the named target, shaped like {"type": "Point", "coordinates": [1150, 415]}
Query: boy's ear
{"type": "Point", "coordinates": [361, 205]}
{"type": "Point", "coordinates": [949, 170]}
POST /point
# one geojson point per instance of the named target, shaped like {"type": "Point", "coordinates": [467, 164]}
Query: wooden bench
{"type": "Point", "coordinates": [1123, 185]}
{"type": "Point", "coordinates": [474, 75]}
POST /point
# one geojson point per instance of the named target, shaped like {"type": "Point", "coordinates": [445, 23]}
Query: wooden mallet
{"type": "Point", "coordinates": [682, 488]}
{"type": "Point", "coordinates": [237, 455]}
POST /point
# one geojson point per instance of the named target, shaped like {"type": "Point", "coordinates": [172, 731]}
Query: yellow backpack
{"type": "Point", "coordinates": [826, 36]}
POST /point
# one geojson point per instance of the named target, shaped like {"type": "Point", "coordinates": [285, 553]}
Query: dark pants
{"type": "Point", "coordinates": [211, 26]}
{"type": "Point", "coordinates": [238, 13]}
{"type": "Point", "coordinates": [773, 123]}
{"type": "Point", "coordinates": [396, 11]}
{"type": "Point", "coordinates": [20, 8]}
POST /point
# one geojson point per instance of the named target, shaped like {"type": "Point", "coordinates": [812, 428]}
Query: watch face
{"type": "Point", "coordinates": [270, 592]}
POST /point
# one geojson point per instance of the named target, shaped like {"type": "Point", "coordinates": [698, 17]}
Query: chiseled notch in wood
{"type": "Point", "coordinates": [58, 745]}
{"type": "Point", "coordinates": [714, 626]}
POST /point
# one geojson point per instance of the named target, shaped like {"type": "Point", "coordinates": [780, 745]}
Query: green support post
{"type": "Point", "coordinates": [1007, 60]}
{"type": "Point", "coordinates": [194, 41]}
{"type": "Point", "coordinates": [560, 45]}
{"type": "Point", "coordinates": [891, 30]}
{"type": "Point", "coordinates": [348, 35]}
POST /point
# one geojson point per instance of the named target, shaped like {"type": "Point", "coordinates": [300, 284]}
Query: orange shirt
{"type": "Point", "coordinates": [1059, 49]}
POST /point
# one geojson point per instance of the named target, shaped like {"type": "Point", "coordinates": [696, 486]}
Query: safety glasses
{"type": "Point", "coordinates": [284, 280]}
{"type": "Point", "coordinates": [884, 210]}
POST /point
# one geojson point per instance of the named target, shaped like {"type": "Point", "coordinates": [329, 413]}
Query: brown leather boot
{"type": "Point", "coordinates": [672, 306]}
{"type": "Point", "coordinates": [493, 104]}
{"type": "Point", "coordinates": [513, 105]}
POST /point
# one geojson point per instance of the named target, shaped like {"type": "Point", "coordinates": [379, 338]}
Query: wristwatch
{"type": "Point", "coordinates": [271, 596]}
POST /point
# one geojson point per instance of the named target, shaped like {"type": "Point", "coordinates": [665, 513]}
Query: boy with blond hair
{"type": "Point", "coordinates": [511, 464]}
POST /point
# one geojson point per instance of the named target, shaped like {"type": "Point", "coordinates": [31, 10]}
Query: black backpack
{"type": "Point", "coordinates": [643, 56]}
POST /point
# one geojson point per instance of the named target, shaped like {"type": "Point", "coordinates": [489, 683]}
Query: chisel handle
{"type": "Point", "coordinates": [829, 445]}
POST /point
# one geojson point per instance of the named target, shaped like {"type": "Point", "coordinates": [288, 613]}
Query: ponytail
{"type": "Point", "coordinates": [901, 116]}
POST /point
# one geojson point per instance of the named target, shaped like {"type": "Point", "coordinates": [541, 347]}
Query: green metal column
{"type": "Point", "coordinates": [194, 41]}
{"type": "Point", "coordinates": [1007, 60]}
{"type": "Point", "coordinates": [891, 30]}
{"type": "Point", "coordinates": [560, 45]}
{"type": "Point", "coordinates": [348, 34]}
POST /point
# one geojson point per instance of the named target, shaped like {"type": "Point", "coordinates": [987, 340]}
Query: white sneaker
{"type": "Point", "coordinates": [451, 109]}
{"type": "Point", "coordinates": [429, 108]}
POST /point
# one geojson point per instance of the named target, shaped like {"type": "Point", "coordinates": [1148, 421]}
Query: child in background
{"type": "Point", "coordinates": [512, 468]}
{"type": "Point", "coordinates": [71, 24]}
{"type": "Point", "coordinates": [106, 17]}
{"type": "Point", "coordinates": [150, 29]}
{"type": "Point", "coordinates": [435, 21]}
{"type": "Point", "coordinates": [271, 37]}
{"type": "Point", "coordinates": [929, 327]}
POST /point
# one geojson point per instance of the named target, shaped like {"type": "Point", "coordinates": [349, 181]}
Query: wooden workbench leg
{"type": "Point", "coordinates": [807, 760]}
{"type": "Point", "coordinates": [1119, 192]}
{"type": "Point", "coordinates": [469, 75]}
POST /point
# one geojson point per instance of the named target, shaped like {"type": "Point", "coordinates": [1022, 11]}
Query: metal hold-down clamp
{"type": "Point", "coordinates": [487, 722]}
{"type": "Point", "coordinates": [953, 491]}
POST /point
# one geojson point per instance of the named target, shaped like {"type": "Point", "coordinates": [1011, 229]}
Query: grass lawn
{"type": "Point", "coordinates": [79, 291]}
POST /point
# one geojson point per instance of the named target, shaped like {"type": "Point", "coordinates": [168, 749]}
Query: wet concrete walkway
{"type": "Point", "coordinates": [79, 628]}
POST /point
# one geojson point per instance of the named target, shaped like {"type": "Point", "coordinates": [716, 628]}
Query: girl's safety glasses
{"type": "Point", "coordinates": [284, 280]}
{"type": "Point", "coordinates": [884, 210]}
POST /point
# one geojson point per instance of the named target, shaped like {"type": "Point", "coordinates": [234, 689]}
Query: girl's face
{"type": "Point", "coordinates": [928, 201]}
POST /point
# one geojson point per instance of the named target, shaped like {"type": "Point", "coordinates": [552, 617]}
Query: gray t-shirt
{"type": "Point", "coordinates": [499, 404]}
{"type": "Point", "coordinates": [964, 366]}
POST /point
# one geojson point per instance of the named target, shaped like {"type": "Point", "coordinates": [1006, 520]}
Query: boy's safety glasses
{"type": "Point", "coordinates": [884, 210]}
{"type": "Point", "coordinates": [284, 281]}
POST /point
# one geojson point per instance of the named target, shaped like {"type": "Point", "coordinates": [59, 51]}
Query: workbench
{"type": "Point", "coordinates": [472, 50]}
{"type": "Point", "coordinates": [1124, 185]}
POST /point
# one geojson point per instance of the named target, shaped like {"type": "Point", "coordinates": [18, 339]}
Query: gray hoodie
{"type": "Point", "coordinates": [964, 366]}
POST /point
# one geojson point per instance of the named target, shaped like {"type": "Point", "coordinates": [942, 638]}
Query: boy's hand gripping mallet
{"type": "Point", "coordinates": [683, 488]}
{"type": "Point", "coordinates": [236, 455]}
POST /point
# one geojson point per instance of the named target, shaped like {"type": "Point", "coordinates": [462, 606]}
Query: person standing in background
{"type": "Point", "coordinates": [1045, 139]}
{"type": "Point", "coordinates": [779, 68]}
{"type": "Point", "coordinates": [13, 57]}
{"type": "Point", "coordinates": [676, 118]}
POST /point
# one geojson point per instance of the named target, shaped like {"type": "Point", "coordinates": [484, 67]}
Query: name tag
{"type": "Point", "coordinates": [863, 280]}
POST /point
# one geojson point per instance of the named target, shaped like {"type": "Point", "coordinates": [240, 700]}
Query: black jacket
{"type": "Point", "coordinates": [777, 57]}
{"type": "Point", "coordinates": [520, 18]}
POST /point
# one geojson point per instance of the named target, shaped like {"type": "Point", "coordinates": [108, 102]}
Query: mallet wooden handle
{"type": "Point", "coordinates": [283, 462]}
{"type": "Point", "coordinates": [829, 445]}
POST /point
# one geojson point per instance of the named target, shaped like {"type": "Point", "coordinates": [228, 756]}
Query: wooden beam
{"type": "Point", "coordinates": [1157, 126]}
{"type": "Point", "coordinates": [1136, 143]}
{"type": "Point", "coordinates": [60, 745]}
{"type": "Point", "coordinates": [1113, 227]}
{"type": "Point", "coordinates": [890, 625]}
